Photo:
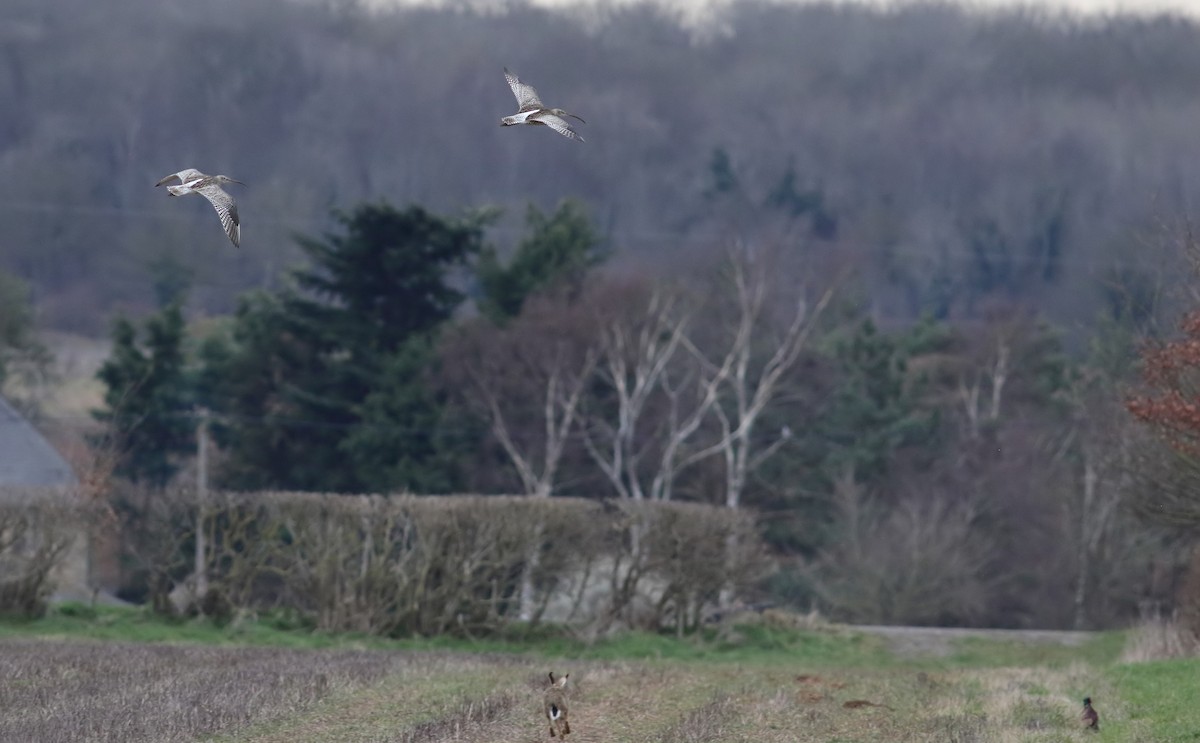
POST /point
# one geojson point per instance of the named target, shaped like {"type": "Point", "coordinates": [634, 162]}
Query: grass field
{"type": "Point", "coordinates": [80, 676]}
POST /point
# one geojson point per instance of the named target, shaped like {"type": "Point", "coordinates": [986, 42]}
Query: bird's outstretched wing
{"type": "Point", "coordinates": [557, 124]}
{"type": "Point", "coordinates": [226, 209]}
{"type": "Point", "coordinates": [185, 175]}
{"type": "Point", "coordinates": [527, 97]}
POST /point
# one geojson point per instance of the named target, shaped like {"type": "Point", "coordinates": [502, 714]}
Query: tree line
{"type": "Point", "coordinates": [895, 311]}
{"type": "Point", "coordinates": [934, 473]}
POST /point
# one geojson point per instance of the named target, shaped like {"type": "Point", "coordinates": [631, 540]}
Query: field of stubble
{"type": "Point", "coordinates": [78, 690]}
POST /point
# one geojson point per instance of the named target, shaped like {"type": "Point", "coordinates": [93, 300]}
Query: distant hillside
{"type": "Point", "coordinates": [957, 159]}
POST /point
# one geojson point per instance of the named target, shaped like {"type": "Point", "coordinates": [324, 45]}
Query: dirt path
{"type": "Point", "coordinates": [937, 642]}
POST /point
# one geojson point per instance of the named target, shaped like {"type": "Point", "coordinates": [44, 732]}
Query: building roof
{"type": "Point", "coordinates": [26, 458]}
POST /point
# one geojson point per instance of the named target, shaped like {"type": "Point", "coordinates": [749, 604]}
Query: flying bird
{"type": "Point", "coordinates": [530, 110]}
{"type": "Point", "coordinates": [209, 186]}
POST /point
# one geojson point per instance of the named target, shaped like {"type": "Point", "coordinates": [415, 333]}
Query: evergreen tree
{"type": "Point", "coordinates": [148, 398]}
{"type": "Point", "coordinates": [854, 410]}
{"type": "Point", "coordinates": [723, 179]}
{"type": "Point", "coordinates": [876, 406]}
{"type": "Point", "coordinates": [786, 197]}
{"type": "Point", "coordinates": [305, 370]}
{"type": "Point", "coordinates": [253, 375]}
{"type": "Point", "coordinates": [409, 436]}
{"type": "Point", "coordinates": [559, 246]}
{"type": "Point", "coordinates": [385, 279]}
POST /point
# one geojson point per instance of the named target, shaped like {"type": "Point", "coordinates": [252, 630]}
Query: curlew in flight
{"type": "Point", "coordinates": [531, 111]}
{"type": "Point", "coordinates": [209, 186]}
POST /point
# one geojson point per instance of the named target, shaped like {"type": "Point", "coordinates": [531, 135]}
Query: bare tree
{"type": "Point", "coordinates": [529, 378]}
{"type": "Point", "coordinates": [648, 376]}
{"type": "Point", "coordinates": [922, 561]}
{"type": "Point", "coordinates": [1098, 445]}
{"type": "Point", "coordinates": [642, 364]}
{"type": "Point", "coordinates": [753, 382]}
{"type": "Point", "coordinates": [991, 373]}
{"type": "Point", "coordinates": [200, 557]}
{"type": "Point", "coordinates": [657, 403]}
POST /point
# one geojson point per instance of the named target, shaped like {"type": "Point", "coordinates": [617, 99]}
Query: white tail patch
{"type": "Point", "coordinates": [554, 712]}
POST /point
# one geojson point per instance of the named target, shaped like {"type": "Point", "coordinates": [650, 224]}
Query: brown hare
{"type": "Point", "coordinates": [555, 706]}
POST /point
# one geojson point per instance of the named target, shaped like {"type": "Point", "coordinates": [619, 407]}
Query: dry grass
{"type": "Point", "coordinates": [428, 698]}
{"type": "Point", "coordinates": [57, 691]}
{"type": "Point", "coordinates": [704, 724]}
{"type": "Point", "coordinates": [470, 715]}
{"type": "Point", "coordinates": [701, 703]}
{"type": "Point", "coordinates": [1157, 638]}
{"type": "Point", "coordinates": [116, 692]}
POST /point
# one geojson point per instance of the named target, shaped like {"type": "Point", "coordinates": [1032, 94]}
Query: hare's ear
{"type": "Point", "coordinates": [552, 678]}
{"type": "Point", "coordinates": [562, 682]}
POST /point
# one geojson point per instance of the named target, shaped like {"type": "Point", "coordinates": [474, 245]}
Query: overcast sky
{"type": "Point", "coordinates": [1189, 7]}
{"type": "Point", "coordinates": [695, 11]}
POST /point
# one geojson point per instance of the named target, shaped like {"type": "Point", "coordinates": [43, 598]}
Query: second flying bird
{"type": "Point", "coordinates": [530, 110]}
{"type": "Point", "coordinates": [209, 186]}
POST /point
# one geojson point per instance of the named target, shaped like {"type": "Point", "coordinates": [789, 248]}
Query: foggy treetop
{"type": "Point", "coordinates": [955, 157]}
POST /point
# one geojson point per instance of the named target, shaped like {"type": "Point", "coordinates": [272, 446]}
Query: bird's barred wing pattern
{"type": "Point", "coordinates": [527, 97]}
{"type": "Point", "coordinates": [185, 175]}
{"type": "Point", "coordinates": [557, 124]}
{"type": "Point", "coordinates": [226, 209]}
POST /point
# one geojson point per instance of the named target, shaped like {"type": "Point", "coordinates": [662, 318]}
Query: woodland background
{"type": "Point", "coordinates": [881, 277]}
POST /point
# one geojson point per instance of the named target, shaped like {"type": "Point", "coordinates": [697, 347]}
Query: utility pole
{"type": "Point", "coordinates": [200, 570]}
